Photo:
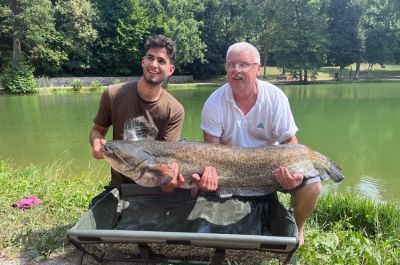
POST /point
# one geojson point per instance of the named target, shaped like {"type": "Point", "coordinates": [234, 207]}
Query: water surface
{"type": "Point", "coordinates": [354, 124]}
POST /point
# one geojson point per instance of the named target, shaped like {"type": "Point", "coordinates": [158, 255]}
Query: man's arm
{"type": "Point", "coordinates": [96, 139]}
{"type": "Point", "coordinates": [291, 140]}
{"type": "Point", "coordinates": [211, 139]}
{"type": "Point", "coordinates": [208, 181]}
{"type": "Point", "coordinates": [287, 180]}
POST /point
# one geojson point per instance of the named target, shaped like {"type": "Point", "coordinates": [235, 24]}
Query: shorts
{"type": "Point", "coordinates": [306, 181]}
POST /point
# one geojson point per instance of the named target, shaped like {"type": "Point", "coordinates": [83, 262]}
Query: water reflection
{"type": "Point", "coordinates": [371, 187]}
{"type": "Point", "coordinates": [349, 91]}
{"type": "Point", "coordinates": [356, 125]}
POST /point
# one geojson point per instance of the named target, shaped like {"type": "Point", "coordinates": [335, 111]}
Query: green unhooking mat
{"type": "Point", "coordinates": [146, 225]}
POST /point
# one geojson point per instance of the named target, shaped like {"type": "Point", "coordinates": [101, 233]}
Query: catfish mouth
{"type": "Point", "coordinates": [112, 153]}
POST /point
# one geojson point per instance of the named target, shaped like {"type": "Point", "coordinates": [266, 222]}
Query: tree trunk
{"type": "Point", "coordinates": [358, 66]}
{"type": "Point", "coordinates": [265, 61]}
{"type": "Point", "coordinates": [305, 76]}
{"type": "Point", "coordinates": [16, 49]}
{"type": "Point", "coordinates": [16, 42]}
{"type": "Point", "coordinates": [341, 68]}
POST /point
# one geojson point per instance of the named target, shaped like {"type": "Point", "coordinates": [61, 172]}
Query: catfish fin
{"type": "Point", "coordinates": [148, 179]}
{"type": "Point", "coordinates": [139, 128]}
{"type": "Point", "coordinates": [166, 171]}
{"type": "Point", "coordinates": [224, 192]}
{"type": "Point", "coordinates": [255, 191]}
{"type": "Point", "coordinates": [194, 191]}
{"type": "Point", "coordinates": [227, 192]}
{"type": "Point", "coordinates": [333, 170]}
{"type": "Point", "coordinates": [304, 167]}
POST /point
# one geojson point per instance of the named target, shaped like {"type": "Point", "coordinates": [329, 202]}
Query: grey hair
{"type": "Point", "coordinates": [240, 46]}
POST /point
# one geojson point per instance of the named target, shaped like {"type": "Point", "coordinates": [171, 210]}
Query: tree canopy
{"type": "Point", "coordinates": [104, 37]}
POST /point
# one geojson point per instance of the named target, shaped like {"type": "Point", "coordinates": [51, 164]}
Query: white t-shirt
{"type": "Point", "coordinates": [269, 122]}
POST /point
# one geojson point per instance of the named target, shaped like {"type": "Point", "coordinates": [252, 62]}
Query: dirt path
{"type": "Point", "coordinates": [70, 256]}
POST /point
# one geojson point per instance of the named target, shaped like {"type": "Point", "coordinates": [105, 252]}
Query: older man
{"type": "Point", "coordinates": [248, 112]}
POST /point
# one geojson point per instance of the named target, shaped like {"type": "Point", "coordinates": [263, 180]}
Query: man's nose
{"type": "Point", "coordinates": [154, 63]}
{"type": "Point", "coordinates": [236, 67]}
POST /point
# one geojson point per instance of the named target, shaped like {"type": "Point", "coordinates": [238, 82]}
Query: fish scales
{"type": "Point", "coordinates": [248, 169]}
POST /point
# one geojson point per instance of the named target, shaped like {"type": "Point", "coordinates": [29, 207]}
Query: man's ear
{"type": "Point", "coordinates": [171, 69]}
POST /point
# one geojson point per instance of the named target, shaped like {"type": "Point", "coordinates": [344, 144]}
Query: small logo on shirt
{"type": "Point", "coordinates": [260, 125]}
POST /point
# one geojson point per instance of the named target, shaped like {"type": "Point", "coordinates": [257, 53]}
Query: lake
{"type": "Point", "coordinates": [356, 125]}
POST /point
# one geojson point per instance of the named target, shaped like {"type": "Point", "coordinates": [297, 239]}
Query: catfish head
{"type": "Point", "coordinates": [127, 158]}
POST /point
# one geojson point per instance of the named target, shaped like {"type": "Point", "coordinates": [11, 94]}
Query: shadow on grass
{"type": "Point", "coordinates": [47, 247]}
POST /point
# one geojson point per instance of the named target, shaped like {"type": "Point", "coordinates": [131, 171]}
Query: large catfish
{"type": "Point", "coordinates": [241, 171]}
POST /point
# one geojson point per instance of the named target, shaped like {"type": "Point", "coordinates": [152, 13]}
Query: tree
{"type": "Point", "coordinates": [34, 35]}
{"type": "Point", "coordinates": [223, 25]}
{"type": "Point", "coordinates": [179, 20]}
{"type": "Point", "coordinates": [6, 29]}
{"type": "Point", "coordinates": [382, 31]}
{"type": "Point", "coordinates": [262, 27]}
{"type": "Point", "coordinates": [75, 20]}
{"type": "Point", "coordinates": [122, 29]}
{"type": "Point", "coordinates": [300, 43]}
{"type": "Point", "coordinates": [343, 24]}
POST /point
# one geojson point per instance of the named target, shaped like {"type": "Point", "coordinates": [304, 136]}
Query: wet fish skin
{"type": "Point", "coordinates": [241, 171]}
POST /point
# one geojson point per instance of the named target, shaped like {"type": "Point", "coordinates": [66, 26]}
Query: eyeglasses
{"type": "Point", "coordinates": [241, 66]}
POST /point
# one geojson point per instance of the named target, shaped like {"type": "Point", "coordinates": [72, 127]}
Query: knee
{"type": "Point", "coordinates": [312, 190]}
{"type": "Point", "coordinates": [316, 188]}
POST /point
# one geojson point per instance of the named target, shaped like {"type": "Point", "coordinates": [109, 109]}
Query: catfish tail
{"type": "Point", "coordinates": [333, 170]}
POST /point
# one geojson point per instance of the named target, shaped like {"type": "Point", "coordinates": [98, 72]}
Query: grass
{"type": "Point", "coordinates": [328, 73]}
{"type": "Point", "coordinates": [344, 229]}
{"type": "Point", "coordinates": [64, 90]}
{"type": "Point", "coordinates": [274, 75]}
{"type": "Point", "coordinates": [40, 231]}
{"type": "Point", "coordinates": [349, 229]}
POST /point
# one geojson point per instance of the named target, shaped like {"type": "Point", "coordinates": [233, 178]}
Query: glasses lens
{"type": "Point", "coordinates": [242, 66]}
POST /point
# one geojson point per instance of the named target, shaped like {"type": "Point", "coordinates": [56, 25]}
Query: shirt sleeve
{"type": "Point", "coordinates": [103, 116]}
{"type": "Point", "coordinates": [211, 121]}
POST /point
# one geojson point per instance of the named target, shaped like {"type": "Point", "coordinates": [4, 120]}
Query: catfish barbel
{"type": "Point", "coordinates": [241, 171]}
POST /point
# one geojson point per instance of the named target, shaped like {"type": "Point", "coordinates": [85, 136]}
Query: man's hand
{"type": "Point", "coordinates": [287, 180]}
{"type": "Point", "coordinates": [175, 182]}
{"type": "Point", "coordinates": [96, 147]}
{"type": "Point", "coordinates": [208, 181]}
{"type": "Point", "coordinates": [96, 139]}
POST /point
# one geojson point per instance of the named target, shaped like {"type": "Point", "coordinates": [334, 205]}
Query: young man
{"type": "Point", "coordinates": [248, 112]}
{"type": "Point", "coordinates": [145, 100]}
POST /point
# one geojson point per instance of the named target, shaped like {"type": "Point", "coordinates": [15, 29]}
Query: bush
{"type": "Point", "coordinates": [76, 85]}
{"type": "Point", "coordinates": [116, 81]}
{"type": "Point", "coordinates": [95, 85]}
{"type": "Point", "coordinates": [18, 78]}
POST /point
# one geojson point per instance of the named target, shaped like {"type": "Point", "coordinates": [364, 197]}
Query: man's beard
{"type": "Point", "coordinates": [152, 81]}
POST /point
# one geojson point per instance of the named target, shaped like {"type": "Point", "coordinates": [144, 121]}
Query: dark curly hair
{"type": "Point", "coordinates": [160, 41]}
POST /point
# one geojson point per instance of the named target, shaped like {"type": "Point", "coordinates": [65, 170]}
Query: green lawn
{"type": "Point", "coordinates": [328, 73]}
{"type": "Point", "coordinates": [344, 229]}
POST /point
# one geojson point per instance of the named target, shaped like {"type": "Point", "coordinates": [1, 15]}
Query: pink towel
{"type": "Point", "coordinates": [27, 202]}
